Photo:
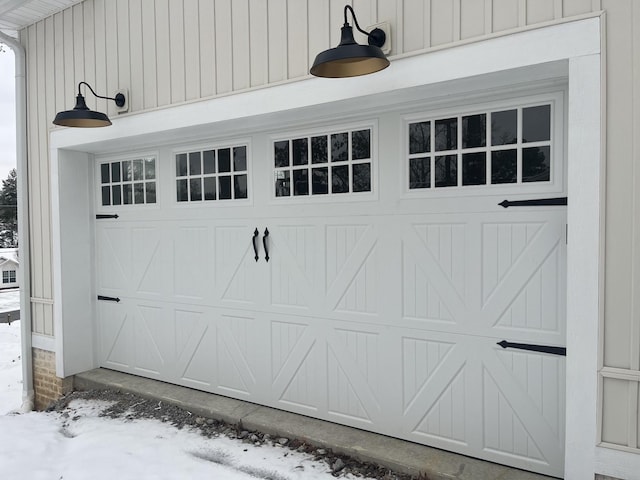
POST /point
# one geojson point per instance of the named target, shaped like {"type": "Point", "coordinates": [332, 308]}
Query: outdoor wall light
{"type": "Point", "coordinates": [350, 59]}
{"type": "Point", "coordinates": [81, 116]}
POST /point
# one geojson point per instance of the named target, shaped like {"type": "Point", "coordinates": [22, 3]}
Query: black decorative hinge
{"type": "Point", "coordinates": [535, 348]}
{"type": "Point", "coordinates": [109, 299]}
{"type": "Point", "coordinates": [101, 216]}
{"type": "Point", "coordinates": [534, 203]}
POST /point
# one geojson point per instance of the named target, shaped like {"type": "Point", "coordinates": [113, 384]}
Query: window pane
{"type": "Point", "coordinates": [320, 181]}
{"type": "Point", "coordinates": [420, 173]}
{"type": "Point", "coordinates": [504, 127]}
{"type": "Point", "coordinates": [446, 171]}
{"type": "Point", "coordinates": [536, 164]}
{"type": "Point", "coordinates": [138, 193]}
{"type": "Point", "coordinates": [209, 160]}
{"type": "Point", "coordinates": [474, 133]}
{"type": "Point", "coordinates": [224, 187]}
{"type": "Point", "coordinates": [195, 163]}
{"type": "Point", "coordinates": [106, 195]}
{"type": "Point", "coordinates": [504, 166]}
{"type": "Point", "coordinates": [151, 192]}
{"type": "Point", "coordinates": [104, 173]}
{"type": "Point", "coordinates": [339, 147]}
{"type": "Point", "coordinates": [360, 144]}
{"type": "Point", "coordinates": [446, 134]}
{"type": "Point", "coordinates": [224, 160]}
{"type": "Point", "coordinates": [210, 188]}
{"type": "Point", "coordinates": [319, 153]}
{"type": "Point", "coordinates": [138, 167]}
{"type": "Point", "coordinates": [283, 188]}
{"type": "Point", "coordinates": [240, 186]}
{"type": "Point", "coordinates": [149, 169]}
{"type": "Point", "coordinates": [420, 137]}
{"type": "Point", "coordinates": [181, 165]}
{"type": "Point", "coordinates": [281, 153]}
{"type": "Point", "coordinates": [127, 194]}
{"type": "Point", "coordinates": [115, 172]}
{"type": "Point", "coordinates": [182, 192]}
{"type": "Point", "coordinates": [127, 171]}
{"type": "Point", "coordinates": [300, 151]}
{"type": "Point", "coordinates": [195, 189]}
{"type": "Point", "coordinates": [116, 195]}
{"type": "Point", "coordinates": [240, 159]}
{"type": "Point", "coordinates": [362, 177]}
{"type": "Point", "coordinates": [536, 123]}
{"type": "Point", "coordinates": [301, 182]}
{"type": "Point", "coordinates": [474, 169]}
{"type": "Point", "coordinates": [340, 179]}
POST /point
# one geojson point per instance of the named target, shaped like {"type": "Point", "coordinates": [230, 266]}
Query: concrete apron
{"type": "Point", "coordinates": [398, 455]}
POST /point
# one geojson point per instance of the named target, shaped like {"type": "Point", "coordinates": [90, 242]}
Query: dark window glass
{"type": "Point", "coordinates": [319, 152]}
{"type": "Point", "coordinates": [104, 173]}
{"type": "Point", "coordinates": [116, 195]}
{"type": "Point", "coordinates": [360, 145]}
{"type": "Point", "coordinates": [138, 193]}
{"type": "Point", "coordinates": [106, 195]}
{"type": "Point", "coordinates": [240, 186]}
{"type": "Point", "coordinates": [115, 172]}
{"type": "Point", "coordinates": [362, 177]}
{"type": "Point", "coordinates": [149, 169]}
{"type": "Point", "coordinates": [127, 194]}
{"type": "Point", "coordinates": [210, 188]}
{"type": "Point", "coordinates": [300, 151]}
{"type": "Point", "coordinates": [420, 137]}
{"type": "Point", "coordinates": [446, 171]}
{"type": "Point", "coordinates": [474, 132]}
{"type": "Point", "coordinates": [420, 173]}
{"type": "Point", "coordinates": [195, 189]}
{"type": "Point", "coordinates": [195, 163]}
{"type": "Point", "coordinates": [446, 134]}
{"type": "Point", "coordinates": [281, 153]}
{"type": "Point", "coordinates": [504, 127]}
{"type": "Point", "coordinates": [536, 164]}
{"type": "Point", "coordinates": [239, 159]}
{"type": "Point", "coordinates": [224, 187]}
{"type": "Point", "coordinates": [182, 191]}
{"type": "Point", "coordinates": [504, 166]}
{"type": "Point", "coordinates": [283, 185]}
{"type": "Point", "coordinates": [474, 169]}
{"type": "Point", "coordinates": [181, 165]}
{"type": "Point", "coordinates": [301, 182]}
{"type": "Point", "coordinates": [209, 161]}
{"type": "Point", "coordinates": [151, 192]}
{"type": "Point", "coordinates": [536, 123]}
{"type": "Point", "coordinates": [127, 171]}
{"type": "Point", "coordinates": [340, 179]}
{"type": "Point", "coordinates": [224, 160]}
{"type": "Point", "coordinates": [339, 147]}
{"type": "Point", "coordinates": [138, 169]}
{"type": "Point", "coordinates": [320, 181]}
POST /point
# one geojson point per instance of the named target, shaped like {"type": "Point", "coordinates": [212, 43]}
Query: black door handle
{"type": "Point", "coordinates": [264, 243]}
{"type": "Point", "coordinates": [255, 243]}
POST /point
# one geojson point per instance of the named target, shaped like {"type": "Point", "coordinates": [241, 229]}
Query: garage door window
{"type": "Point", "coordinates": [212, 174]}
{"type": "Point", "coordinates": [331, 164]}
{"type": "Point", "coordinates": [511, 146]}
{"type": "Point", "coordinates": [128, 182]}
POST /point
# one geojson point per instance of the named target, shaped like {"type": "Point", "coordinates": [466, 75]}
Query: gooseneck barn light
{"type": "Point", "coordinates": [81, 116]}
{"type": "Point", "coordinates": [350, 59]}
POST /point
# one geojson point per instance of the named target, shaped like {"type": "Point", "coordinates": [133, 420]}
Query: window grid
{"type": "Point", "coordinates": [9, 276]}
{"type": "Point", "coordinates": [128, 182]}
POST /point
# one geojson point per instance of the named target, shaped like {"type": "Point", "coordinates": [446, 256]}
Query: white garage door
{"type": "Point", "coordinates": [392, 274]}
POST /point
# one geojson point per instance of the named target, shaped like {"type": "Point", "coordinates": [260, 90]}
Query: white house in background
{"type": "Point", "coordinates": [357, 250]}
{"type": "Point", "coordinates": [9, 266]}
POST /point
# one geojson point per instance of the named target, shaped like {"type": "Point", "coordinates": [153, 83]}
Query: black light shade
{"type": "Point", "coordinates": [82, 117]}
{"type": "Point", "coordinates": [350, 59]}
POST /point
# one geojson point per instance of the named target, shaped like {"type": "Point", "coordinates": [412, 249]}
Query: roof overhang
{"type": "Point", "coordinates": [18, 14]}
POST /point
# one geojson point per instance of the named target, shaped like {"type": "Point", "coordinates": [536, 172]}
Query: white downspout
{"type": "Point", "coordinates": [24, 267]}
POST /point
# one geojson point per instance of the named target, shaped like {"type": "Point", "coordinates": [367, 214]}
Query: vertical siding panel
{"type": "Point", "coordinates": [366, 15]}
{"type": "Point", "coordinates": [192, 49]}
{"type": "Point", "coordinates": [540, 11]}
{"type": "Point", "coordinates": [259, 44]}
{"type": "Point", "coordinates": [77, 31]}
{"type": "Point", "coordinates": [298, 38]}
{"type": "Point", "coordinates": [576, 7]}
{"type": "Point", "coordinates": [111, 49]}
{"type": "Point", "coordinates": [149, 63]}
{"type": "Point", "coordinates": [413, 27]}
{"type": "Point", "coordinates": [163, 57]}
{"type": "Point", "coordinates": [124, 51]}
{"type": "Point", "coordinates": [47, 314]}
{"type": "Point", "coordinates": [472, 18]}
{"type": "Point", "coordinates": [635, 95]}
{"type": "Point", "coordinates": [50, 68]}
{"type": "Point", "coordinates": [137, 86]}
{"type": "Point", "coordinates": [505, 15]}
{"type": "Point", "coordinates": [240, 41]}
{"type": "Point", "coordinates": [63, 95]}
{"type": "Point", "coordinates": [224, 48]}
{"type": "Point", "coordinates": [277, 40]}
{"type": "Point", "coordinates": [336, 19]}
{"type": "Point", "coordinates": [100, 38]}
{"type": "Point", "coordinates": [176, 42]}
{"type": "Point", "coordinates": [388, 12]}
{"type": "Point", "coordinates": [488, 16]}
{"type": "Point", "coordinates": [89, 48]}
{"type": "Point", "coordinates": [207, 48]}
{"type": "Point", "coordinates": [442, 20]}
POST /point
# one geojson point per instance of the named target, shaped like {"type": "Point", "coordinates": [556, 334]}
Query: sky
{"type": "Point", "coordinates": [7, 113]}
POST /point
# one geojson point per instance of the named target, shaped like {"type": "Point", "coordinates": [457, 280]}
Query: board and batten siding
{"type": "Point", "coordinates": [167, 52]}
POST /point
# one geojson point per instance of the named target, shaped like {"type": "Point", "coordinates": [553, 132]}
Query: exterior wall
{"type": "Point", "coordinates": [48, 387]}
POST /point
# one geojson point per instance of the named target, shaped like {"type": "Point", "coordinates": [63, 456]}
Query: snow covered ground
{"type": "Point", "coordinates": [81, 445]}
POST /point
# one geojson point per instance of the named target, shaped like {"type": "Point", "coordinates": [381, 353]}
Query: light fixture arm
{"type": "Point", "coordinates": [375, 37]}
{"type": "Point", "coordinates": [119, 98]}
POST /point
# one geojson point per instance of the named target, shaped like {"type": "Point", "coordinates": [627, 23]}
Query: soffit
{"type": "Point", "coordinates": [18, 14]}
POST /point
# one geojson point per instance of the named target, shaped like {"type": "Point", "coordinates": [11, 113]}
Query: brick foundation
{"type": "Point", "coordinates": [46, 385]}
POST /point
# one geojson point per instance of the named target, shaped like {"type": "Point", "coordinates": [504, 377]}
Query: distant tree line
{"type": "Point", "coordinates": [9, 211]}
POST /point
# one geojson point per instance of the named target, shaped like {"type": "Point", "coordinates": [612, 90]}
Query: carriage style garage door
{"type": "Point", "coordinates": [360, 273]}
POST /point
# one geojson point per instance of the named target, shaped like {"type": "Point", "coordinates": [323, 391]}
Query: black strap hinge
{"type": "Point", "coordinates": [109, 299]}
{"type": "Point", "coordinates": [562, 351]}
{"type": "Point", "coordinates": [538, 202]}
{"type": "Point", "coordinates": [102, 216]}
